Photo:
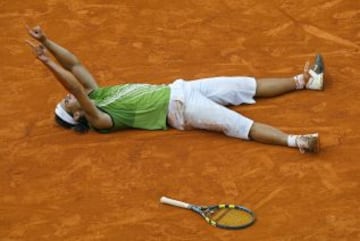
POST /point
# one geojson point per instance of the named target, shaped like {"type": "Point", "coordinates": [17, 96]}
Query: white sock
{"type": "Point", "coordinates": [300, 81]}
{"type": "Point", "coordinates": [291, 140]}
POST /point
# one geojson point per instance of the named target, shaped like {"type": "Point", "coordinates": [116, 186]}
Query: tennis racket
{"type": "Point", "coordinates": [226, 216]}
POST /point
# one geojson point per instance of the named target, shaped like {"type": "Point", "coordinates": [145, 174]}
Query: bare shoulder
{"type": "Point", "coordinates": [100, 120]}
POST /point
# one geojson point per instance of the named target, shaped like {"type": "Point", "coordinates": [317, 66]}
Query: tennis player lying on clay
{"type": "Point", "coordinates": [182, 105]}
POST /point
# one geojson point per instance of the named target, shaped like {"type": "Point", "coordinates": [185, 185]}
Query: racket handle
{"type": "Point", "coordinates": [174, 202]}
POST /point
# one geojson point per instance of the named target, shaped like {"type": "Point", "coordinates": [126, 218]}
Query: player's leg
{"type": "Point", "coordinates": [270, 135]}
{"type": "Point", "coordinates": [237, 90]}
{"type": "Point", "coordinates": [311, 78]}
{"type": "Point", "coordinates": [202, 113]}
{"type": "Point", "coordinates": [267, 134]}
{"type": "Point", "coordinates": [241, 89]}
{"type": "Point", "coordinates": [226, 90]}
{"type": "Point", "coordinates": [270, 87]}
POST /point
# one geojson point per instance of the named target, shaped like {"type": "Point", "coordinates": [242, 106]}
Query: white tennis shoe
{"type": "Point", "coordinates": [308, 143]}
{"type": "Point", "coordinates": [316, 72]}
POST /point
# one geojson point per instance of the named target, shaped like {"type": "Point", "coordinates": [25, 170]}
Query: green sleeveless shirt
{"type": "Point", "coordinates": [142, 106]}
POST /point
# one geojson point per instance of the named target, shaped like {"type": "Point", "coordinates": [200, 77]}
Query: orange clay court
{"type": "Point", "coordinates": [59, 185]}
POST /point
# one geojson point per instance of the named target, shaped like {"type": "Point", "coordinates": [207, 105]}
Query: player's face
{"type": "Point", "coordinates": [70, 103]}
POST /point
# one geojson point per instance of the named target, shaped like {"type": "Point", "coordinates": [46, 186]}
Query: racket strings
{"type": "Point", "coordinates": [219, 214]}
{"type": "Point", "coordinates": [231, 217]}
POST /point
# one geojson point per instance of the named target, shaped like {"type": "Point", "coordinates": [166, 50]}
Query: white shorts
{"type": "Point", "coordinates": [200, 104]}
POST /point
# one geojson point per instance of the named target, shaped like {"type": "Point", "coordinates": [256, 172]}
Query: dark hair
{"type": "Point", "coordinates": [81, 127]}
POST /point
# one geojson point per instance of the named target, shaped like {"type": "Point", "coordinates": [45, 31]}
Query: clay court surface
{"type": "Point", "coordinates": [59, 185]}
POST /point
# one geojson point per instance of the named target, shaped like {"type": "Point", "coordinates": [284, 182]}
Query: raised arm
{"type": "Point", "coordinates": [94, 116]}
{"type": "Point", "coordinates": [67, 59]}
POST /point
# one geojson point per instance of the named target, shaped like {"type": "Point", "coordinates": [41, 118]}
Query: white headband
{"type": "Point", "coordinates": [62, 114]}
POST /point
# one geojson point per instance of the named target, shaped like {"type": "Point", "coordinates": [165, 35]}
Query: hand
{"type": "Point", "coordinates": [39, 51]}
{"type": "Point", "coordinates": [36, 33]}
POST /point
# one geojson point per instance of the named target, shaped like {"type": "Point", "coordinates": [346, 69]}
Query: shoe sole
{"type": "Point", "coordinates": [315, 143]}
{"type": "Point", "coordinates": [320, 63]}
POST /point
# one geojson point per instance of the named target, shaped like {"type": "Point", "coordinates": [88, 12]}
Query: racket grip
{"type": "Point", "coordinates": [174, 202]}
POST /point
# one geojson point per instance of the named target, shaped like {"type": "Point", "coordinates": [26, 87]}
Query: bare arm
{"type": "Point", "coordinates": [97, 118]}
{"type": "Point", "coordinates": [67, 59]}
{"type": "Point", "coordinates": [71, 63]}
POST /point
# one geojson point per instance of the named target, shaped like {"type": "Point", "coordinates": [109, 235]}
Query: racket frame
{"type": "Point", "coordinates": [203, 210]}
